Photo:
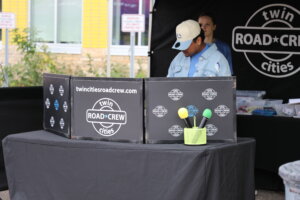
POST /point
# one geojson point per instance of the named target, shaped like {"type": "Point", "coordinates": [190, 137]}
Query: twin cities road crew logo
{"type": "Point", "coordinates": [175, 94]}
{"type": "Point", "coordinates": [176, 130]}
{"type": "Point", "coordinates": [209, 94]}
{"type": "Point", "coordinates": [106, 117]}
{"type": "Point", "coordinates": [270, 40]}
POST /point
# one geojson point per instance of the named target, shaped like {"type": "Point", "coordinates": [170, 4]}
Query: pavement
{"type": "Point", "coordinates": [260, 195]}
{"type": "Point", "coordinates": [269, 195]}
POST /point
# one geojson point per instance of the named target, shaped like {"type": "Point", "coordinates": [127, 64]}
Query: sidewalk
{"type": "Point", "coordinates": [261, 195]}
{"type": "Point", "coordinates": [269, 195]}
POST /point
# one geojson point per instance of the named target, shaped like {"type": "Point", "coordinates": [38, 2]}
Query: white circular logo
{"type": "Point", "coordinates": [65, 106]}
{"type": "Point", "coordinates": [47, 103]}
{"type": "Point", "coordinates": [106, 117]}
{"type": "Point", "coordinates": [52, 121]}
{"type": "Point", "coordinates": [176, 130]}
{"type": "Point", "coordinates": [211, 129]}
{"type": "Point", "coordinates": [51, 89]}
{"type": "Point", "coordinates": [222, 111]}
{"type": "Point", "coordinates": [270, 40]}
{"type": "Point", "coordinates": [175, 94]}
{"type": "Point", "coordinates": [159, 111]}
{"type": "Point", "coordinates": [62, 123]}
{"type": "Point", "coordinates": [61, 90]}
{"type": "Point", "coordinates": [209, 94]}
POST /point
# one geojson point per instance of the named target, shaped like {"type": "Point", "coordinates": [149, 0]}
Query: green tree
{"type": "Point", "coordinates": [35, 61]}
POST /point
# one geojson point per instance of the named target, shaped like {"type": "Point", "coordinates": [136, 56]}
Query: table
{"type": "Point", "coordinates": [277, 139]}
{"type": "Point", "coordinates": [41, 166]}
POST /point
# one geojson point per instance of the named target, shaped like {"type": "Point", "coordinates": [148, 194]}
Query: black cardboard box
{"type": "Point", "coordinates": [57, 108]}
{"type": "Point", "coordinates": [107, 109]}
{"type": "Point", "coordinates": [112, 109]}
{"type": "Point", "coordinates": [164, 96]}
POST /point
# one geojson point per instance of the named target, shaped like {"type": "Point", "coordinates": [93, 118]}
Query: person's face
{"type": "Point", "coordinates": [193, 48]}
{"type": "Point", "coordinates": [207, 25]}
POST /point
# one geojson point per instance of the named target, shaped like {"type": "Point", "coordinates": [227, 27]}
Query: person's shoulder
{"type": "Point", "coordinates": [220, 43]}
{"type": "Point", "coordinates": [212, 47]}
{"type": "Point", "coordinates": [179, 54]}
{"type": "Point", "coordinates": [180, 57]}
{"type": "Point", "coordinates": [216, 53]}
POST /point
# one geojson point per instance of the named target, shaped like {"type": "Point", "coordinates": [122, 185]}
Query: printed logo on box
{"type": "Point", "coordinates": [176, 130]}
{"type": "Point", "coordinates": [62, 123]}
{"type": "Point", "coordinates": [106, 117]}
{"type": "Point", "coordinates": [56, 104]}
{"type": "Point", "coordinates": [61, 90]}
{"type": "Point", "coordinates": [159, 111]}
{"type": "Point", "coordinates": [175, 94]}
{"type": "Point", "coordinates": [52, 121]}
{"type": "Point", "coordinates": [209, 94]}
{"type": "Point", "coordinates": [65, 106]}
{"type": "Point", "coordinates": [51, 89]}
{"type": "Point", "coordinates": [222, 111]}
{"type": "Point", "coordinates": [211, 129]}
{"type": "Point", "coordinates": [47, 103]}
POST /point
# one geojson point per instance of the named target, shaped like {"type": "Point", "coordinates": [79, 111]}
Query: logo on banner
{"type": "Point", "coordinates": [61, 90]}
{"type": "Point", "coordinates": [159, 111]}
{"type": "Point", "coordinates": [176, 130]}
{"type": "Point", "coordinates": [106, 117]}
{"type": "Point", "coordinates": [209, 94]}
{"type": "Point", "coordinates": [47, 103]}
{"type": "Point", "coordinates": [175, 94]}
{"type": "Point", "coordinates": [52, 121]}
{"type": "Point", "coordinates": [62, 123]}
{"type": "Point", "coordinates": [270, 40]}
{"type": "Point", "coordinates": [211, 129]}
{"type": "Point", "coordinates": [222, 111]}
{"type": "Point", "coordinates": [51, 89]}
{"type": "Point", "coordinates": [65, 106]}
{"type": "Point", "coordinates": [56, 104]}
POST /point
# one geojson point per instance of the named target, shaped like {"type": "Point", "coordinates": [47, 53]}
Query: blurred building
{"type": "Point", "coordinates": [73, 29]}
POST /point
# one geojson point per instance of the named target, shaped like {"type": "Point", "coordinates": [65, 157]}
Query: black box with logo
{"type": "Point", "coordinates": [164, 96]}
{"type": "Point", "coordinates": [57, 108]}
{"type": "Point", "coordinates": [107, 109]}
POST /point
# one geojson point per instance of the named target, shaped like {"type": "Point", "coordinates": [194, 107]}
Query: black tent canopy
{"type": "Point", "coordinates": [277, 72]}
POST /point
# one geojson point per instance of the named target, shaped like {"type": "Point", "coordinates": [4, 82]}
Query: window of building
{"type": "Point", "coordinates": [120, 41]}
{"type": "Point", "coordinates": [0, 28]}
{"type": "Point", "coordinates": [57, 23]}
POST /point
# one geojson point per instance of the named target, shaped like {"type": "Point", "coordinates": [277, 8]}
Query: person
{"type": "Point", "coordinates": [196, 59]}
{"type": "Point", "coordinates": [207, 22]}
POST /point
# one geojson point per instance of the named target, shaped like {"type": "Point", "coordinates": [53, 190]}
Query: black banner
{"type": "Point", "coordinates": [264, 37]}
{"type": "Point", "coordinates": [57, 114]}
{"type": "Point", "coordinates": [165, 96]}
{"type": "Point", "coordinates": [109, 109]}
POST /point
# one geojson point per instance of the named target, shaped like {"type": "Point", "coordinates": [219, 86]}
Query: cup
{"type": "Point", "coordinates": [194, 136]}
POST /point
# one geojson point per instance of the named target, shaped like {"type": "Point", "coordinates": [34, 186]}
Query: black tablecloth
{"type": "Point", "coordinates": [42, 166]}
{"type": "Point", "coordinates": [277, 142]}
